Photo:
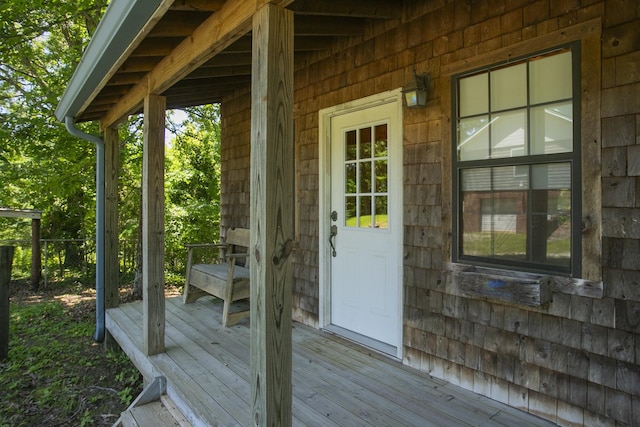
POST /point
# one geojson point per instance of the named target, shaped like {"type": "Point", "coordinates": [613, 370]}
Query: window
{"type": "Point", "coordinates": [516, 166]}
{"type": "Point", "coordinates": [365, 187]}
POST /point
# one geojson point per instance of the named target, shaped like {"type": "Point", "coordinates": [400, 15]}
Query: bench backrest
{"type": "Point", "coordinates": [239, 239]}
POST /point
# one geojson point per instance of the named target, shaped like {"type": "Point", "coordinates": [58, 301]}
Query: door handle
{"type": "Point", "coordinates": [332, 236]}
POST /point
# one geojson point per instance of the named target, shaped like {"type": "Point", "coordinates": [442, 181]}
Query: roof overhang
{"type": "Point", "coordinates": [121, 26]}
{"type": "Point", "coordinates": [196, 52]}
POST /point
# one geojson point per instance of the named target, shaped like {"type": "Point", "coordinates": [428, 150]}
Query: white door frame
{"type": "Point", "coordinates": [324, 200]}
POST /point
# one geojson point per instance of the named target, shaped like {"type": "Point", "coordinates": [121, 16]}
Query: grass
{"type": "Point", "coordinates": [55, 374]}
{"type": "Point", "coordinates": [365, 221]}
{"type": "Point", "coordinates": [510, 244]}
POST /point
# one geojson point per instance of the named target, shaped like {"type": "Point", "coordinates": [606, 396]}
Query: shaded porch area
{"type": "Point", "coordinates": [335, 382]}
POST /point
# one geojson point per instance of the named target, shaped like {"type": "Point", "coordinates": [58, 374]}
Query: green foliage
{"type": "Point", "coordinates": [193, 183]}
{"type": "Point", "coordinates": [46, 338]}
{"type": "Point", "coordinates": [43, 167]}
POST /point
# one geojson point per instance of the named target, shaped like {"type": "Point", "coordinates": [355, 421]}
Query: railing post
{"type": "Point", "coordinates": [6, 261]}
{"type": "Point", "coordinates": [36, 257]}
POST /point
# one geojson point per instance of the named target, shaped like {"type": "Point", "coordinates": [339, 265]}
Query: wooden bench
{"type": "Point", "coordinates": [228, 279]}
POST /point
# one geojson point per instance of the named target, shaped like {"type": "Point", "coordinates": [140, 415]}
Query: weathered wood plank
{"type": "Point", "coordinates": [20, 213]}
{"type": "Point", "coordinates": [6, 261]}
{"type": "Point", "coordinates": [36, 254]}
{"type": "Point", "coordinates": [153, 224]}
{"type": "Point", "coordinates": [152, 414]}
{"type": "Point", "coordinates": [438, 403]}
{"type": "Point", "coordinates": [272, 170]}
{"type": "Point", "coordinates": [528, 289]}
{"type": "Point", "coordinates": [112, 172]}
{"type": "Point", "coordinates": [183, 387]}
{"type": "Point", "coordinates": [234, 354]}
{"type": "Point", "coordinates": [335, 382]}
{"type": "Point", "coordinates": [591, 104]}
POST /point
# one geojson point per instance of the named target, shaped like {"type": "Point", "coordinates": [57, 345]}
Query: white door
{"type": "Point", "coordinates": [366, 226]}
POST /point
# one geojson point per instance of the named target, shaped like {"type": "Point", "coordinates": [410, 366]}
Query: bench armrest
{"type": "Point", "coordinates": [204, 245]}
{"type": "Point", "coordinates": [237, 255]}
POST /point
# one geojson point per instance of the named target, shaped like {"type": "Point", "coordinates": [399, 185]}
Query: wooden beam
{"type": "Point", "coordinates": [156, 46]}
{"type": "Point", "coordinates": [6, 261]}
{"type": "Point", "coordinates": [228, 59]}
{"type": "Point", "coordinates": [125, 79]}
{"type": "Point", "coordinates": [36, 254]}
{"type": "Point", "coordinates": [20, 213]}
{"type": "Point", "coordinates": [178, 24]}
{"type": "Point", "coordinates": [139, 64]}
{"type": "Point", "coordinates": [271, 221]}
{"type": "Point", "coordinates": [231, 22]}
{"type": "Point", "coordinates": [201, 5]}
{"type": "Point", "coordinates": [216, 72]}
{"type": "Point", "coordinates": [382, 9]}
{"type": "Point", "coordinates": [153, 224]}
{"type": "Point", "coordinates": [112, 172]}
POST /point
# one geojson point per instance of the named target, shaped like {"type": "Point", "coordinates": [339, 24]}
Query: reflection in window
{"type": "Point", "coordinates": [514, 164]}
{"type": "Point", "coordinates": [522, 217]}
{"type": "Point", "coordinates": [366, 177]}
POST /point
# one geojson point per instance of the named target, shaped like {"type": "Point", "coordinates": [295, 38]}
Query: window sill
{"type": "Point", "coordinates": [512, 286]}
{"type": "Point", "coordinates": [519, 287]}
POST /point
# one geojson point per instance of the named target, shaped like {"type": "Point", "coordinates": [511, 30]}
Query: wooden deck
{"type": "Point", "coordinates": [335, 382]}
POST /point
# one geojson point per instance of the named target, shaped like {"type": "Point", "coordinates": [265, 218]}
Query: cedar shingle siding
{"type": "Point", "coordinates": [575, 360]}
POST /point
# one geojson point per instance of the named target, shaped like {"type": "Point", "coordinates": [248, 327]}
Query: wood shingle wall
{"type": "Point", "coordinates": [574, 361]}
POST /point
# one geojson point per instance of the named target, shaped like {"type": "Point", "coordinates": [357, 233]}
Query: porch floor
{"type": "Point", "coordinates": [335, 382]}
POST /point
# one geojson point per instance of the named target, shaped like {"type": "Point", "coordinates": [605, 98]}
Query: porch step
{"type": "Point", "coordinates": [152, 408]}
{"type": "Point", "coordinates": [152, 414]}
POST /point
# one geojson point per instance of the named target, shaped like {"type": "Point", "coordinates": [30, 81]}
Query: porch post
{"type": "Point", "coordinates": [153, 224]}
{"type": "Point", "coordinates": [272, 154]}
{"type": "Point", "coordinates": [112, 165]}
{"type": "Point", "coordinates": [111, 267]}
{"type": "Point", "coordinates": [36, 254]}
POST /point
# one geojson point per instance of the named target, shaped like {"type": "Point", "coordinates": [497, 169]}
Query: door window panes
{"type": "Point", "coordinates": [366, 177]}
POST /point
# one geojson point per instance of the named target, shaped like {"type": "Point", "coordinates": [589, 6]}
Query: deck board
{"type": "Point", "coordinates": [335, 382]}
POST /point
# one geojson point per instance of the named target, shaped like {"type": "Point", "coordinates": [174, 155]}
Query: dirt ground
{"type": "Point", "coordinates": [56, 375]}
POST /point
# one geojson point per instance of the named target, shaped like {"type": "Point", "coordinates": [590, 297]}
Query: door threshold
{"type": "Point", "coordinates": [379, 346]}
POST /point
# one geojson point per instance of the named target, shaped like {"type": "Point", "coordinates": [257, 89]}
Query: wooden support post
{"type": "Point", "coordinates": [36, 257]}
{"type": "Point", "coordinates": [272, 157]}
{"type": "Point", "coordinates": [112, 166]}
{"type": "Point", "coordinates": [6, 261]}
{"type": "Point", "coordinates": [153, 224]}
{"type": "Point", "coordinates": [112, 266]}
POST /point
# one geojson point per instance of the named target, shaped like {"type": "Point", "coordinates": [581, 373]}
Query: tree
{"type": "Point", "coordinates": [44, 166]}
{"type": "Point", "coordinates": [193, 179]}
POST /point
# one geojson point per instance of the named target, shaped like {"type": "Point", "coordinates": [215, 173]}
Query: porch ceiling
{"type": "Point", "coordinates": [218, 72]}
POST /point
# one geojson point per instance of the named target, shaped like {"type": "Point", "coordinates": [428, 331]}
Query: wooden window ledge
{"type": "Point", "coordinates": [504, 285]}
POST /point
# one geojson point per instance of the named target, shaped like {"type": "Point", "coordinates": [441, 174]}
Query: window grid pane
{"type": "Point", "coordinates": [366, 177]}
{"type": "Point", "coordinates": [518, 214]}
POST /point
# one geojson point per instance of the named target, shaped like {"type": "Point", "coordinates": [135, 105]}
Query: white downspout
{"type": "Point", "coordinates": [100, 209]}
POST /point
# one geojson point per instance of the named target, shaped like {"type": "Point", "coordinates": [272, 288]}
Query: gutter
{"type": "Point", "coordinates": [122, 23]}
{"type": "Point", "coordinates": [100, 224]}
